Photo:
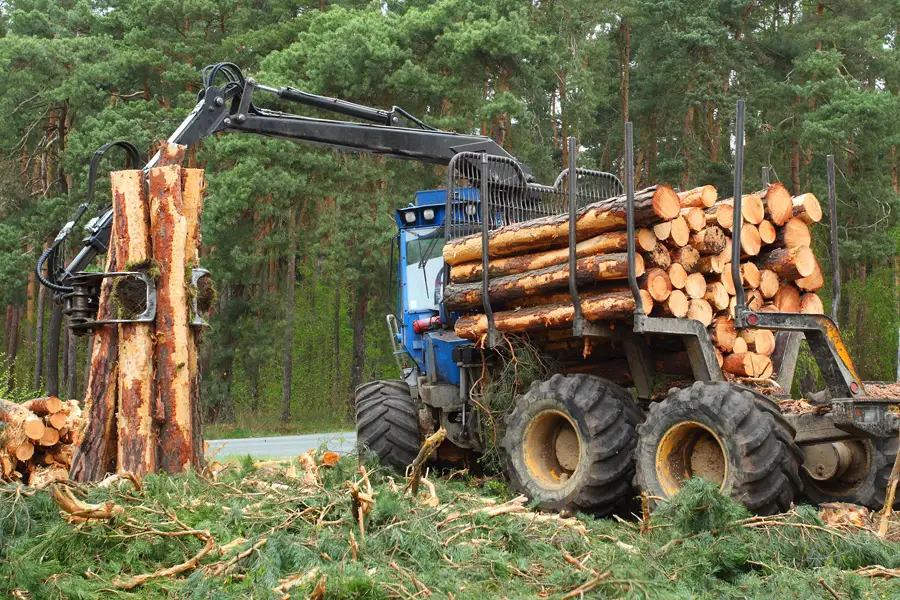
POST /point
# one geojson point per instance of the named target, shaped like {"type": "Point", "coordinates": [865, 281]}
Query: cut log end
{"type": "Point", "coordinates": [666, 203]}
{"type": "Point", "coordinates": [779, 207]}
{"type": "Point", "coordinates": [700, 310]}
{"type": "Point", "coordinates": [807, 207]}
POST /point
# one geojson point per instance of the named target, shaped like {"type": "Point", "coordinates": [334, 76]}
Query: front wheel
{"type": "Point", "coordinates": [569, 443]}
{"type": "Point", "coordinates": [854, 471]}
{"type": "Point", "coordinates": [387, 422]}
{"type": "Point", "coordinates": [727, 434]}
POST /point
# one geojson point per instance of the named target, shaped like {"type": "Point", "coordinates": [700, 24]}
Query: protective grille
{"type": "Point", "coordinates": [510, 197]}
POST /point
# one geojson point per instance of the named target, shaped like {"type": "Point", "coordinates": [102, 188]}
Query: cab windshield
{"type": "Point", "coordinates": [424, 268]}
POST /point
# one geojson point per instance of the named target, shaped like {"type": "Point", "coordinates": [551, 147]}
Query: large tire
{"type": "Point", "coordinates": [387, 422]}
{"type": "Point", "coordinates": [865, 482]}
{"type": "Point", "coordinates": [569, 444]}
{"type": "Point", "coordinates": [725, 433]}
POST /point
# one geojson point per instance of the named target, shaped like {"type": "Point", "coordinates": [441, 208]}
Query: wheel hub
{"type": "Point", "coordinates": [552, 448]}
{"type": "Point", "coordinates": [837, 467]}
{"type": "Point", "coordinates": [690, 449]}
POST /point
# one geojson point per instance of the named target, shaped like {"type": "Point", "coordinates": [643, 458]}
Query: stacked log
{"type": "Point", "coordinates": [683, 264]}
{"type": "Point", "coordinates": [37, 439]}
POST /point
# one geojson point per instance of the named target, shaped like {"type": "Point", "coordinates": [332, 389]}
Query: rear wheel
{"type": "Point", "coordinates": [569, 443]}
{"type": "Point", "coordinates": [854, 471]}
{"type": "Point", "coordinates": [727, 434]}
{"type": "Point", "coordinates": [387, 422]}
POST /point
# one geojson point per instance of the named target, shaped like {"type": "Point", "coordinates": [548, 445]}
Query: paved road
{"type": "Point", "coordinates": [284, 446]}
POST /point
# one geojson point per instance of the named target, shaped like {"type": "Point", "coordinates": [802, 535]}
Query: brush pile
{"type": "Point", "coordinates": [37, 439]}
{"type": "Point", "coordinates": [683, 263]}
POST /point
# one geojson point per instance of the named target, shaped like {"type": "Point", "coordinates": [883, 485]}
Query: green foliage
{"type": "Point", "coordinates": [699, 543]}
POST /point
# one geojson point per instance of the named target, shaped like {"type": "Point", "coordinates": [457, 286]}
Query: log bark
{"type": "Point", "coordinates": [813, 282]}
{"type": "Point", "coordinates": [794, 233]}
{"type": "Point", "coordinates": [605, 243]}
{"type": "Point", "coordinates": [710, 265]}
{"type": "Point", "coordinates": [22, 424]}
{"type": "Point", "coordinates": [193, 189]}
{"type": "Point", "coordinates": [747, 364]}
{"type": "Point", "coordinates": [702, 197]}
{"type": "Point", "coordinates": [136, 448]}
{"type": "Point", "coordinates": [778, 204]}
{"type": "Point", "coordinates": [807, 207]}
{"type": "Point", "coordinates": [709, 241]}
{"type": "Point", "coordinates": [169, 237]}
{"type": "Point", "coordinates": [96, 445]}
{"type": "Point", "coordinates": [603, 267]}
{"type": "Point", "coordinates": [789, 263]}
{"type": "Point", "coordinates": [651, 205]}
{"type": "Point", "coordinates": [594, 307]}
{"type": "Point", "coordinates": [42, 407]}
{"type": "Point", "coordinates": [659, 257]}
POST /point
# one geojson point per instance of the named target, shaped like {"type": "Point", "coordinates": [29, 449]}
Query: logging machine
{"type": "Point", "coordinates": [576, 440]}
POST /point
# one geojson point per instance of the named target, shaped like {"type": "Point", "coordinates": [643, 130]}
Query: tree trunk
{"type": "Point", "coordinates": [360, 311]}
{"type": "Point", "coordinates": [56, 319]}
{"type": "Point", "coordinates": [288, 350]}
{"type": "Point", "coordinates": [193, 187]}
{"type": "Point", "coordinates": [136, 449]}
{"type": "Point", "coordinates": [12, 348]}
{"type": "Point", "coordinates": [169, 226]}
{"type": "Point", "coordinates": [39, 340]}
{"type": "Point", "coordinates": [72, 365]}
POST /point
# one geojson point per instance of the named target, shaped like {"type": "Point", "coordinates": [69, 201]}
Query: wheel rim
{"type": "Point", "coordinates": [690, 449]}
{"type": "Point", "coordinates": [552, 449]}
{"type": "Point", "coordinates": [836, 469]}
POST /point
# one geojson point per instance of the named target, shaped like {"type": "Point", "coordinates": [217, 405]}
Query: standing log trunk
{"type": "Point", "coordinates": [95, 452]}
{"type": "Point", "coordinates": [462, 296]}
{"type": "Point", "coordinates": [169, 235]}
{"type": "Point", "coordinates": [789, 263]}
{"type": "Point", "coordinates": [39, 339]}
{"type": "Point", "coordinates": [136, 431]}
{"type": "Point", "coordinates": [594, 307]}
{"type": "Point", "coordinates": [650, 205]}
{"type": "Point", "coordinates": [193, 188]}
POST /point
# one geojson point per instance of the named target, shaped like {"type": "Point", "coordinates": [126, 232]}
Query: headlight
{"type": "Point", "coordinates": [428, 214]}
{"type": "Point", "coordinates": [410, 217]}
{"type": "Point", "coordinates": [471, 209]}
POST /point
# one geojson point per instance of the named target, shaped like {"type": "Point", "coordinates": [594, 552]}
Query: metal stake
{"type": "Point", "coordinates": [577, 319]}
{"type": "Point", "coordinates": [493, 336]}
{"type": "Point", "coordinates": [832, 215]}
{"type": "Point", "coordinates": [765, 177]}
{"type": "Point", "coordinates": [740, 300]}
{"type": "Point", "coordinates": [629, 218]}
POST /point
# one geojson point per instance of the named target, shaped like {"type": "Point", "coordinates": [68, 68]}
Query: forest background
{"type": "Point", "coordinates": [298, 238]}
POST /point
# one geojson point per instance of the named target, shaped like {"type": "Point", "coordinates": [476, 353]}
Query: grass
{"type": "Point", "coordinates": [699, 544]}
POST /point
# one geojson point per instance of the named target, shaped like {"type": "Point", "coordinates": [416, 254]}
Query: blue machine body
{"type": "Point", "coordinates": [420, 280]}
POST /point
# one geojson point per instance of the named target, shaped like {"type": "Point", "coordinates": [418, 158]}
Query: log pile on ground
{"type": "Point", "coordinates": [37, 439]}
{"type": "Point", "coordinates": [683, 263]}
